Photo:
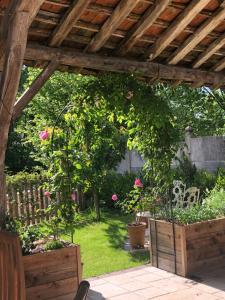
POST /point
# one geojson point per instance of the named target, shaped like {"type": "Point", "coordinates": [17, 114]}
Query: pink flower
{"type": "Point", "coordinates": [114, 197]}
{"type": "Point", "coordinates": [47, 194]}
{"type": "Point", "coordinates": [44, 135]}
{"type": "Point", "coordinates": [74, 196]}
{"type": "Point", "coordinates": [138, 183]}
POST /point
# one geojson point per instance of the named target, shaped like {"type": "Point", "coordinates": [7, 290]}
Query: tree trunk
{"type": "Point", "coordinates": [97, 205]}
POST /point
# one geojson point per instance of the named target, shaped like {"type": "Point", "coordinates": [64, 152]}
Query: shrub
{"type": "Point", "coordinates": [27, 236]}
{"type": "Point", "coordinates": [119, 184]}
{"type": "Point", "coordinates": [216, 200]}
{"type": "Point", "coordinates": [220, 180]}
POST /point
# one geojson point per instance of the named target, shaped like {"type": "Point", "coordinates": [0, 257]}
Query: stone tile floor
{"type": "Point", "coordinates": [147, 282]}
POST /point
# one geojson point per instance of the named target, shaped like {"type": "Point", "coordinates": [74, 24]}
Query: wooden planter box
{"type": "Point", "coordinates": [53, 275]}
{"type": "Point", "coordinates": [184, 249]}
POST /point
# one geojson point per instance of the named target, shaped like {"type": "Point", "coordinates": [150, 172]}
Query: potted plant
{"type": "Point", "coordinates": [135, 203]}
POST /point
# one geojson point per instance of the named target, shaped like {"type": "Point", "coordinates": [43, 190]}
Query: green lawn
{"type": "Point", "coordinates": [102, 246]}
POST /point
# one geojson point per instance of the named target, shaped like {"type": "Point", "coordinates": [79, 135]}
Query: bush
{"type": "Point", "coordinates": [220, 180]}
{"type": "Point", "coordinates": [28, 235]}
{"type": "Point", "coordinates": [216, 200]}
{"type": "Point", "coordinates": [119, 184]}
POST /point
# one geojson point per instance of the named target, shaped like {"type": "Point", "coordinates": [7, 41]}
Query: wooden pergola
{"type": "Point", "coordinates": [174, 41]}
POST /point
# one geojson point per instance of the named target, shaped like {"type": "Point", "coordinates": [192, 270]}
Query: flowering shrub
{"type": "Point", "coordinates": [139, 199]}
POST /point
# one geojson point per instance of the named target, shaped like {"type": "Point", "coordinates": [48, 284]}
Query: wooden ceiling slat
{"type": "Point", "coordinates": [198, 35]}
{"type": "Point", "coordinates": [176, 27]}
{"type": "Point", "coordinates": [149, 17]}
{"type": "Point", "coordinates": [220, 65]}
{"type": "Point", "coordinates": [67, 22]}
{"type": "Point", "coordinates": [121, 11]}
{"type": "Point", "coordinates": [212, 49]}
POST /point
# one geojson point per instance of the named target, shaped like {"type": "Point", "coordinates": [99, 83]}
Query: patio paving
{"type": "Point", "coordinates": [147, 282]}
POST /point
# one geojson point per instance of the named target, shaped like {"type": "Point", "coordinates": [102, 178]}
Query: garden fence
{"type": "Point", "coordinates": [27, 203]}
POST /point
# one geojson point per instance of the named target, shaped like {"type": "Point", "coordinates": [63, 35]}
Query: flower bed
{"type": "Point", "coordinates": [184, 249]}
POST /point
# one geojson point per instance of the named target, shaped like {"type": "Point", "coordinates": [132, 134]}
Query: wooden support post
{"type": "Point", "coordinates": [17, 29]}
{"type": "Point", "coordinates": [34, 89]}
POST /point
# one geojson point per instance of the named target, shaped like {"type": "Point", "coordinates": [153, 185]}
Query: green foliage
{"type": "Point", "coordinates": [114, 183]}
{"type": "Point", "coordinates": [215, 199]}
{"type": "Point", "coordinates": [188, 174]}
{"type": "Point", "coordinates": [27, 236]}
{"type": "Point", "coordinates": [194, 214]}
{"type": "Point", "coordinates": [220, 179]}
{"type": "Point", "coordinates": [53, 245]}
{"type": "Point", "coordinates": [21, 178]}
{"type": "Point", "coordinates": [198, 108]}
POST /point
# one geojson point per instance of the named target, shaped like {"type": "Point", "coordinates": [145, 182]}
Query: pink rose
{"type": "Point", "coordinates": [44, 135]}
{"type": "Point", "coordinates": [138, 183]}
{"type": "Point", "coordinates": [74, 196]}
{"type": "Point", "coordinates": [47, 194]}
{"type": "Point", "coordinates": [114, 197]}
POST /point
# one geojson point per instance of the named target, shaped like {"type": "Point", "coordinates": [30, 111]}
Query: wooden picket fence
{"type": "Point", "coordinates": [27, 203]}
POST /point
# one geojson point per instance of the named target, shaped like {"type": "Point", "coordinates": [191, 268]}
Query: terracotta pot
{"type": "Point", "coordinates": [137, 235]}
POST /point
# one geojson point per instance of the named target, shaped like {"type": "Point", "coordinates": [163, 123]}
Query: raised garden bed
{"type": "Point", "coordinates": [53, 275]}
{"type": "Point", "coordinates": [184, 249]}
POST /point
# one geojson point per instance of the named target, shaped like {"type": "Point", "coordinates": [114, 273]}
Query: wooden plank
{"type": "Point", "coordinates": [204, 228]}
{"type": "Point", "coordinates": [177, 26]}
{"type": "Point", "coordinates": [34, 88]}
{"type": "Point", "coordinates": [149, 17]}
{"type": "Point", "coordinates": [122, 65]}
{"type": "Point", "coordinates": [121, 11]}
{"type": "Point", "coordinates": [212, 49]}
{"type": "Point", "coordinates": [219, 66]}
{"type": "Point", "coordinates": [51, 257]}
{"type": "Point", "coordinates": [50, 291]}
{"type": "Point", "coordinates": [201, 32]}
{"type": "Point", "coordinates": [67, 22]}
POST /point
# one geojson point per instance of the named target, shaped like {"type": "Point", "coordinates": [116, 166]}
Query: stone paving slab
{"type": "Point", "coordinates": [147, 282]}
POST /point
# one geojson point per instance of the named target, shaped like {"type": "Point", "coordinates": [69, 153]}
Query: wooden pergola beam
{"type": "Point", "coordinates": [199, 35]}
{"type": "Point", "coordinates": [178, 25]}
{"type": "Point", "coordinates": [67, 22]}
{"type": "Point", "coordinates": [212, 49]}
{"type": "Point", "coordinates": [122, 65]}
{"type": "Point", "coordinates": [34, 89]}
{"type": "Point", "coordinates": [122, 10]}
{"type": "Point", "coordinates": [149, 17]}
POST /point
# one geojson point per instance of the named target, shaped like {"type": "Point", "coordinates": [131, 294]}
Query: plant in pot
{"type": "Point", "coordinates": [136, 202]}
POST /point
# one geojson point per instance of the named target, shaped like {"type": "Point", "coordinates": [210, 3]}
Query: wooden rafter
{"type": "Point", "coordinates": [122, 65]}
{"type": "Point", "coordinates": [199, 35]}
{"type": "Point", "coordinates": [219, 66]}
{"type": "Point", "coordinates": [66, 24]}
{"type": "Point", "coordinates": [119, 14]}
{"type": "Point", "coordinates": [149, 17]}
{"type": "Point", "coordinates": [177, 26]}
{"type": "Point", "coordinates": [34, 89]}
{"type": "Point", "coordinates": [212, 49]}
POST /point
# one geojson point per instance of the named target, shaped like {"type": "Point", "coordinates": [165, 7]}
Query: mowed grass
{"type": "Point", "coordinates": [102, 246]}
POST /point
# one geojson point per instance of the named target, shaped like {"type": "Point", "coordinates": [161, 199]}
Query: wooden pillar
{"type": "Point", "coordinates": [14, 54]}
